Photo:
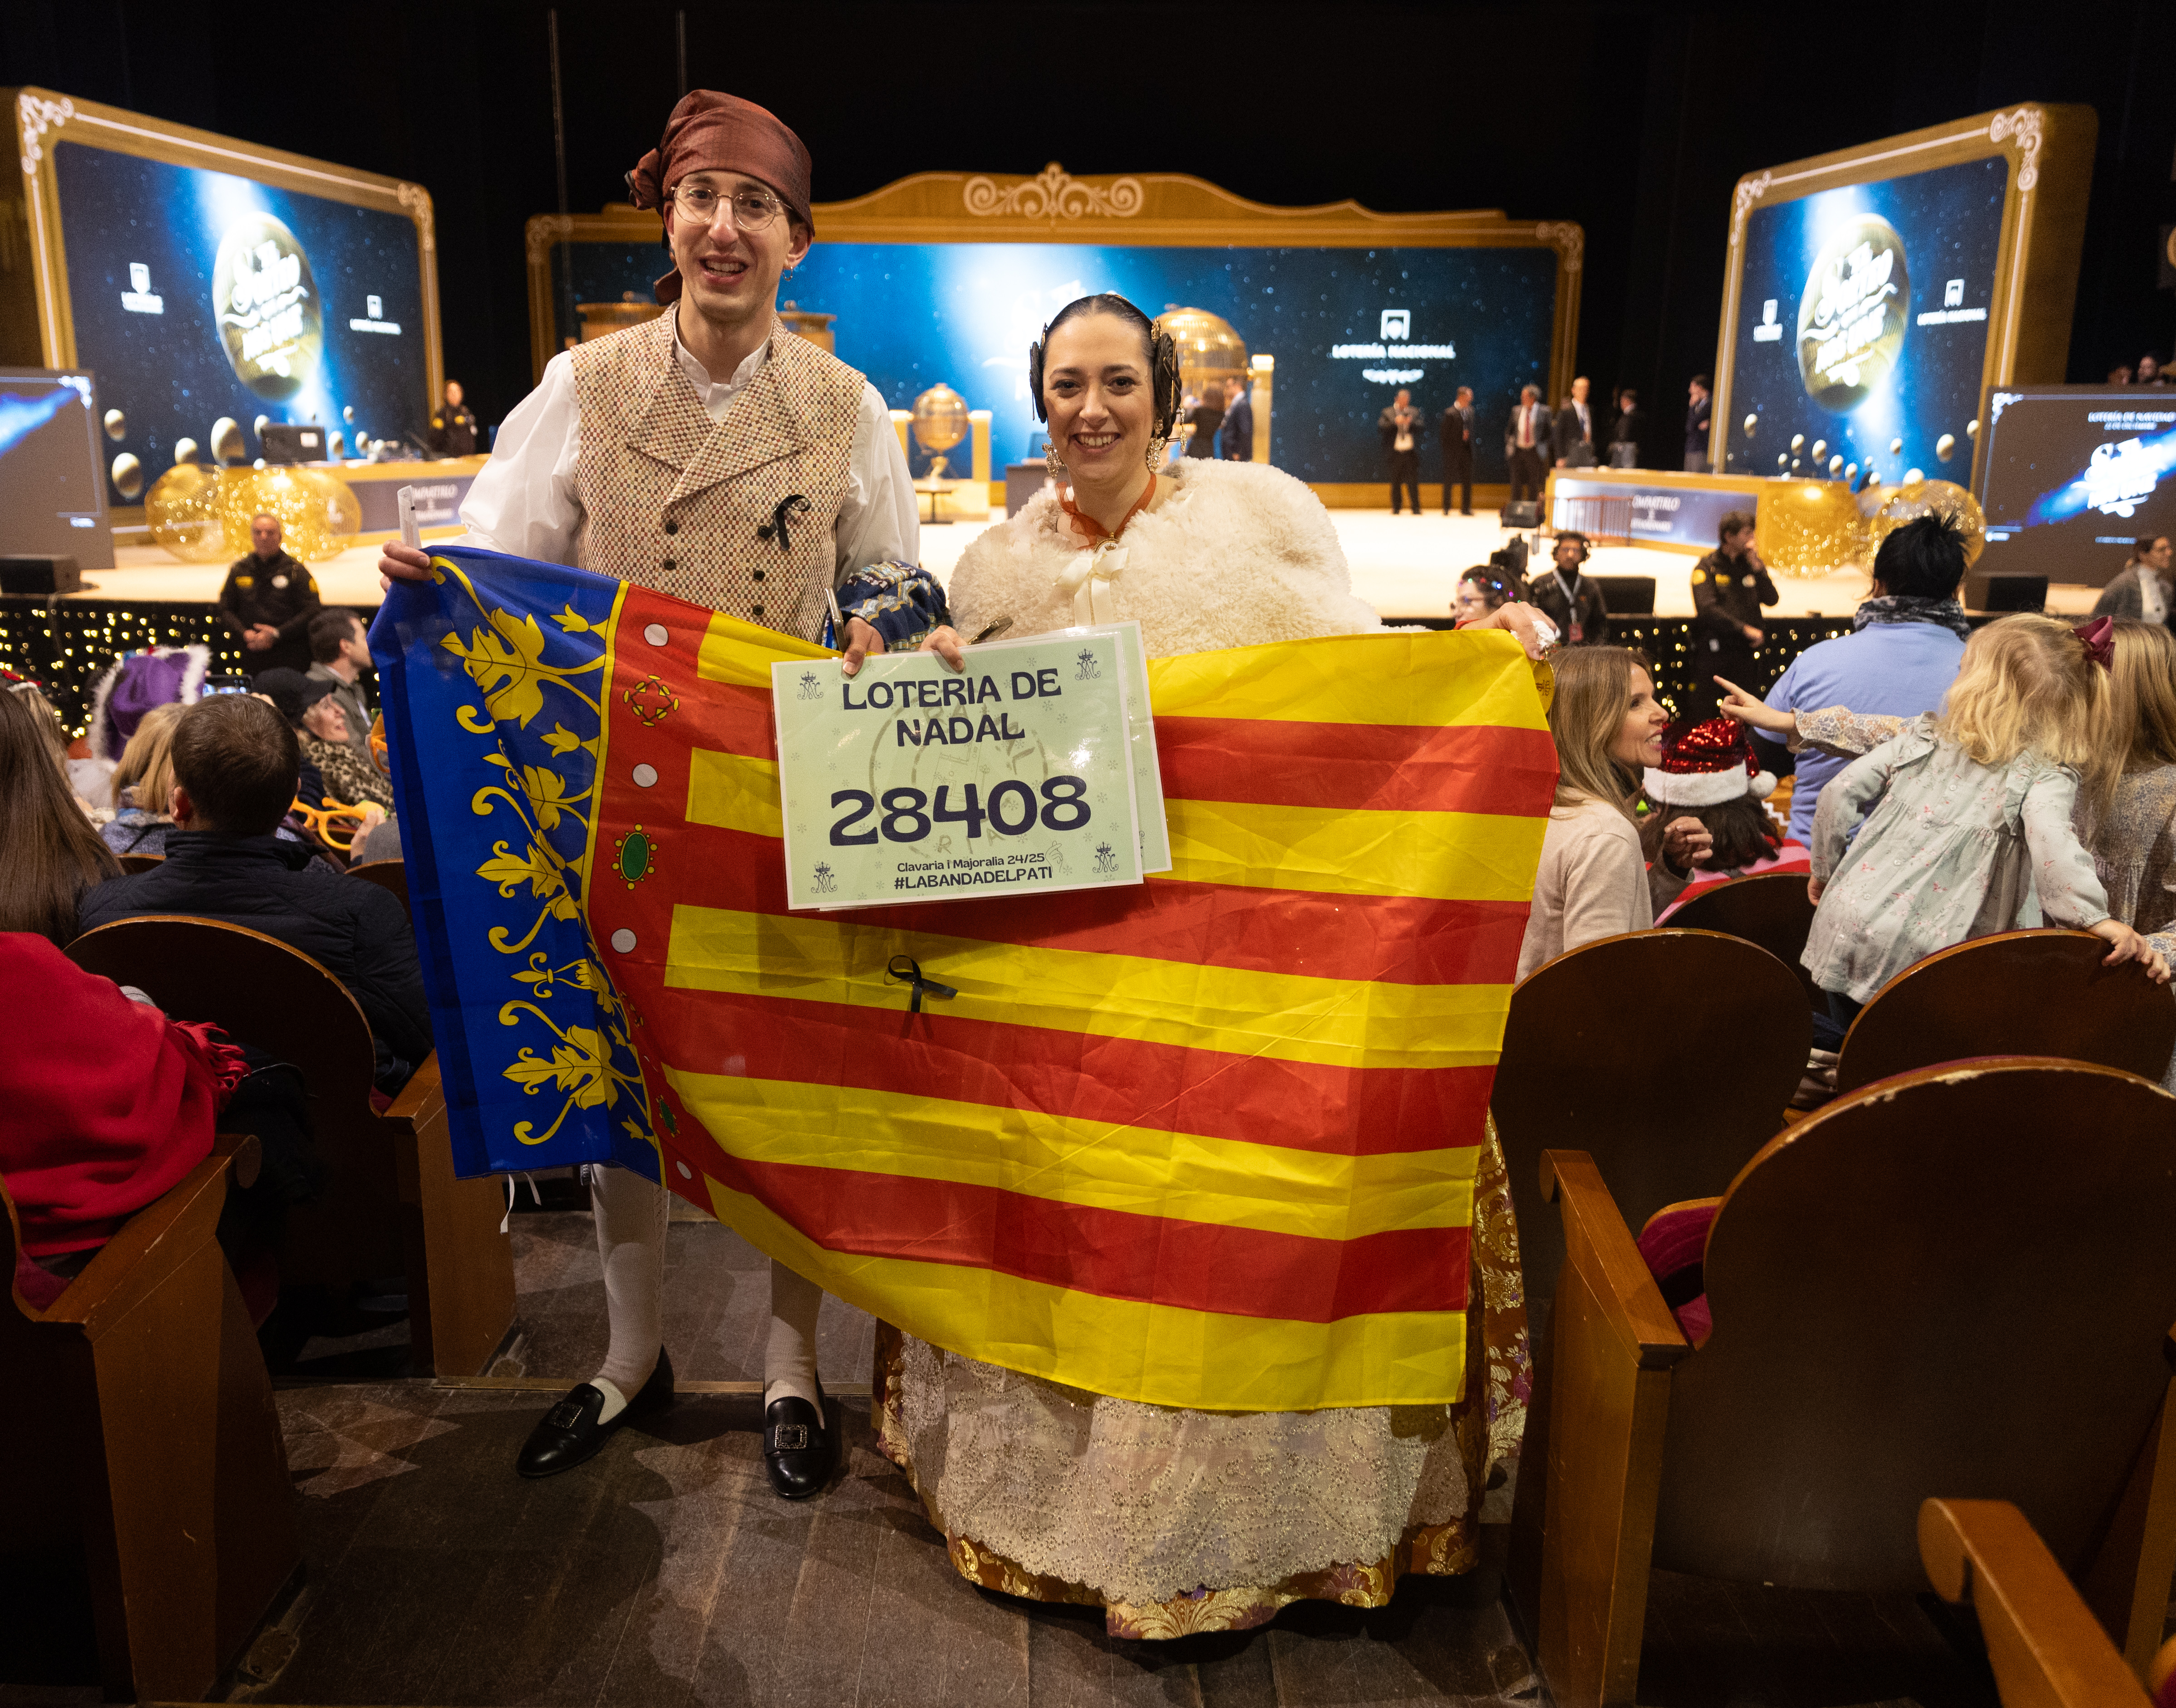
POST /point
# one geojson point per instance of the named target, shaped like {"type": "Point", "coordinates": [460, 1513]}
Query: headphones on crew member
{"type": "Point", "coordinates": [1586, 551]}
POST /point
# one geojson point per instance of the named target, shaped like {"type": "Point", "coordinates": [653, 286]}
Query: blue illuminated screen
{"type": "Point", "coordinates": [1824, 276]}
{"type": "Point", "coordinates": [319, 304]}
{"type": "Point", "coordinates": [1347, 327]}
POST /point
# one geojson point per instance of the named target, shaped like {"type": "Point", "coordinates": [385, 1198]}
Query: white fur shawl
{"type": "Point", "coordinates": [1240, 555]}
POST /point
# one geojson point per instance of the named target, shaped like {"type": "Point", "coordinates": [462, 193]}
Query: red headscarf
{"type": "Point", "coordinates": [715, 133]}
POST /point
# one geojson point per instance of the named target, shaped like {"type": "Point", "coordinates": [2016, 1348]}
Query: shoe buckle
{"type": "Point", "coordinates": [565, 1415]}
{"type": "Point", "coordinates": [790, 1437]}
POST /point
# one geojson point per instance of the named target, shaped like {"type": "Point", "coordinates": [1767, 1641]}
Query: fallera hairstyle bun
{"type": "Point", "coordinates": [1163, 355]}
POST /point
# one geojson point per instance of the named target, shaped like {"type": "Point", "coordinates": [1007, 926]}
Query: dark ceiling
{"type": "Point", "coordinates": [1633, 120]}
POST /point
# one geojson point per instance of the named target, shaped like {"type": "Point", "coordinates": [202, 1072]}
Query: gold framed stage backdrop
{"type": "Point", "coordinates": [213, 287]}
{"type": "Point", "coordinates": [946, 277]}
{"type": "Point", "coordinates": [1872, 296]}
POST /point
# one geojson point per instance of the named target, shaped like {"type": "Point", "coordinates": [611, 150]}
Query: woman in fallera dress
{"type": "Point", "coordinates": [1176, 1520]}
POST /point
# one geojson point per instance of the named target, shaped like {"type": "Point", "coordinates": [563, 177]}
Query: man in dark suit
{"type": "Point", "coordinates": [1696, 425]}
{"type": "Point", "coordinates": [1575, 429]}
{"type": "Point", "coordinates": [1527, 437]}
{"type": "Point", "coordinates": [1625, 433]}
{"type": "Point", "coordinates": [1456, 428]}
{"type": "Point", "coordinates": [1202, 421]}
{"type": "Point", "coordinates": [1236, 438]}
{"type": "Point", "coordinates": [1401, 427]}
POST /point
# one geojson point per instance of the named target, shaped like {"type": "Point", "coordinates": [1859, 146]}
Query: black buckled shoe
{"type": "Point", "coordinates": [570, 1432]}
{"type": "Point", "coordinates": [797, 1449]}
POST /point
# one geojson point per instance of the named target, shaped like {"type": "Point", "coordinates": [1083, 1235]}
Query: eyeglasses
{"type": "Point", "coordinates": [753, 209]}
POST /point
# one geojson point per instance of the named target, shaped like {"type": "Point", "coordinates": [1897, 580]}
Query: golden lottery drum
{"type": "Point", "coordinates": [181, 509]}
{"type": "Point", "coordinates": [1808, 528]}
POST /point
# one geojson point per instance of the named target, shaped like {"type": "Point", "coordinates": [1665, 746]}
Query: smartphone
{"type": "Point", "coordinates": [411, 536]}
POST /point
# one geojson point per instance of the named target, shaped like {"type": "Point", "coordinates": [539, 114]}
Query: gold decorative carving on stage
{"type": "Point", "coordinates": [416, 200]}
{"type": "Point", "coordinates": [1749, 191]}
{"type": "Point", "coordinates": [2025, 126]}
{"type": "Point", "coordinates": [1055, 194]}
{"type": "Point", "coordinates": [544, 233]}
{"type": "Point", "coordinates": [1567, 239]}
{"type": "Point", "coordinates": [37, 116]}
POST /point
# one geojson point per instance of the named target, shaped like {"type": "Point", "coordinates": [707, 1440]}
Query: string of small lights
{"type": "Point", "coordinates": [69, 643]}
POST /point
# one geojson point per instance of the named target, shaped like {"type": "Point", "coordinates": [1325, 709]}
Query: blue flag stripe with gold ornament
{"type": "Point", "coordinates": [494, 678]}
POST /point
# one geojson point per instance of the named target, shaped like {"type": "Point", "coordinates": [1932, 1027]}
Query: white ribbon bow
{"type": "Point", "coordinates": [1105, 563]}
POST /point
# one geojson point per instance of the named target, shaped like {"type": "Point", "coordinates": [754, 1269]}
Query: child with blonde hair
{"type": "Point", "coordinates": [1968, 816]}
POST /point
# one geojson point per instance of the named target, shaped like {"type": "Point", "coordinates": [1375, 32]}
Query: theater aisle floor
{"type": "Point", "coordinates": [665, 1572]}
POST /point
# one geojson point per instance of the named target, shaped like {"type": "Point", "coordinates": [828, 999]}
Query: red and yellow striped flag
{"type": "Point", "coordinates": [1208, 1141]}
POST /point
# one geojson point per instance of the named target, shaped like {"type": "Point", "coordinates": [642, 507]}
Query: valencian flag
{"type": "Point", "coordinates": [1207, 1141]}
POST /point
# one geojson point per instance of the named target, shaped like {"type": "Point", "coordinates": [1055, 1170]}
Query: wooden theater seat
{"type": "Point", "coordinates": [2017, 993]}
{"type": "Point", "coordinates": [143, 1450]}
{"type": "Point", "coordinates": [390, 876]}
{"type": "Point", "coordinates": [1770, 908]}
{"type": "Point", "coordinates": [2043, 1642]}
{"type": "Point", "coordinates": [1668, 1056]}
{"type": "Point", "coordinates": [394, 1206]}
{"type": "Point", "coordinates": [1960, 1279]}
{"type": "Point", "coordinates": [139, 863]}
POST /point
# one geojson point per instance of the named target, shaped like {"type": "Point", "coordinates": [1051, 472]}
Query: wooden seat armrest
{"type": "Point", "coordinates": [420, 1098]}
{"type": "Point", "coordinates": [1597, 1241]}
{"type": "Point", "coordinates": [155, 1241]}
{"type": "Point", "coordinates": [2046, 1647]}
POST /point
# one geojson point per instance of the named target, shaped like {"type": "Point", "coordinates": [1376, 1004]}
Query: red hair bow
{"type": "Point", "coordinates": [2099, 638]}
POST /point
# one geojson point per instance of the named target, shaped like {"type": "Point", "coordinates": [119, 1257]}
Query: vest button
{"type": "Point", "coordinates": [666, 565]}
{"type": "Point", "coordinates": [758, 575]}
{"type": "Point", "coordinates": [671, 527]}
{"type": "Point", "coordinates": [755, 611]}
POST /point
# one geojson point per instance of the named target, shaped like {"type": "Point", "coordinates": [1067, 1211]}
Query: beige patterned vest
{"type": "Point", "coordinates": [674, 501]}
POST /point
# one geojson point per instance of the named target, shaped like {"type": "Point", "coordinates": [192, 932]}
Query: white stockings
{"type": "Point", "coordinates": [631, 1218]}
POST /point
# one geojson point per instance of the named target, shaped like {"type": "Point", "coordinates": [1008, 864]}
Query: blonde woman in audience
{"type": "Point", "coordinates": [1594, 881]}
{"type": "Point", "coordinates": [142, 781]}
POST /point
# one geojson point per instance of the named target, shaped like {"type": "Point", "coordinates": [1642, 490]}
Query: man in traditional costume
{"type": "Point", "coordinates": [715, 455]}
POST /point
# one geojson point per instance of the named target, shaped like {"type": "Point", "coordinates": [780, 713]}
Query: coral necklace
{"type": "Point", "coordinates": [1094, 530]}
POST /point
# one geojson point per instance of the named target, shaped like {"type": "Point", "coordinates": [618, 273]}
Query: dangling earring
{"type": "Point", "coordinates": [1158, 444]}
{"type": "Point", "coordinates": [1050, 461]}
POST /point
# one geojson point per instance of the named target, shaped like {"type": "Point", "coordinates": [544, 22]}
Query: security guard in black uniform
{"type": "Point", "coordinates": [1730, 585]}
{"type": "Point", "coordinates": [268, 602]}
{"type": "Point", "coordinates": [453, 426]}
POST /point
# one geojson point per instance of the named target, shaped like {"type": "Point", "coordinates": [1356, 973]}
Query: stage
{"type": "Point", "coordinates": [1405, 566]}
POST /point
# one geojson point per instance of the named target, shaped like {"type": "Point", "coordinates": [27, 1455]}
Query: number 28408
{"type": "Point", "coordinates": [1011, 811]}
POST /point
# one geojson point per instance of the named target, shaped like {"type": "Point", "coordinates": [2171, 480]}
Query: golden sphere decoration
{"type": "Point", "coordinates": [1896, 447]}
{"type": "Point", "coordinates": [1799, 443]}
{"type": "Point", "coordinates": [187, 450]}
{"type": "Point", "coordinates": [1820, 449]}
{"type": "Point", "coordinates": [227, 446]}
{"type": "Point", "coordinates": [271, 317]}
{"type": "Point", "coordinates": [1852, 316]}
{"type": "Point", "coordinates": [1210, 352]}
{"type": "Point", "coordinates": [128, 475]}
{"type": "Point", "coordinates": [116, 425]}
{"type": "Point", "coordinates": [1752, 423]}
{"type": "Point", "coordinates": [1807, 528]}
{"type": "Point", "coordinates": [183, 511]}
{"type": "Point", "coordinates": [1899, 505]}
{"type": "Point", "coordinates": [336, 444]}
{"type": "Point", "coordinates": [1972, 428]}
{"type": "Point", "coordinates": [1945, 447]}
{"type": "Point", "coordinates": [940, 422]}
{"type": "Point", "coordinates": [319, 517]}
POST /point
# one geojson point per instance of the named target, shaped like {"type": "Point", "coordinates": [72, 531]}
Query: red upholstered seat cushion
{"type": "Point", "coordinates": [1673, 1245]}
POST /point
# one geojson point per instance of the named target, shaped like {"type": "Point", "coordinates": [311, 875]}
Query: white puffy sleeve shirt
{"type": "Point", "coordinates": [523, 502]}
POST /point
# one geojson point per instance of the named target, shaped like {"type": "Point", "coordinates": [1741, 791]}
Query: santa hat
{"type": "Point", "coordinates": [1707, 764]}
